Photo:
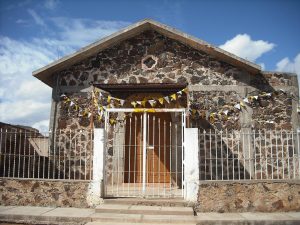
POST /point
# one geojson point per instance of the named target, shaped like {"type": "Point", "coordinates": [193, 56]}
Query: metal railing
{"type": "Point", "coordinates": [255, 155]}
{"type": "Point", "coordinates": [64, 154]}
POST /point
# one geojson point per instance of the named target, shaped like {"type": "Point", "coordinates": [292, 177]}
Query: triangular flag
{"type": "Point", "coordinates": [152, 102]}
{"type": "Point", "coordinates": [242, 104]}
{"type": "Point", "coordinates": [194, 111]}
{"type": "Point", "coordinates": [256, 97]}
{"type": "Point", "coordinates": [108, 99]}
{"type": "Point", "coordinates": [238, 106]}
{"type": "Point", "coordinates": [133, 103]}
{"type": "Point", "coordinates": [76, 107]}
{"type": "Point", "coordinates": [179, 92]}
{"type": "Point", "coordinates": [269, 94]}
{"type": "Point", "coordinates": [167, 99]}
{"type": "Point", "coordinates": [225, 112]}
{"type": "Point", "coordinates": [139, 102]}
{"type": "Point", "coordinates": [185, 90]}
{"type": "Point", "coordinates": [89, 115]}
{"type": "Point", "coordinates": [246, 100]}
{"type": "Point", "coordinates": [173, 96]}
{"type": "Point", "coordinates": [144, 103]}
{"type": "Point", "coordinates": [63, 96]}
{"type": "Point", "coordinates": [72, 103]}
{"type": "Point", "coordinates": [161, 101]}
{"type": "Point", "coordinates": [122, 101]}
{"type": "Point", "coordinates": [112, 121]}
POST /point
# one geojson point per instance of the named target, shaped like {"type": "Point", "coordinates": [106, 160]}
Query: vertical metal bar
{"type": "Point", "coordinates": [232, 145]}
{"type": "Point", "coordinates": [113, 156]}
{"type": "Point", "coordinates": [238, 143]}
{"type": "Point", "coordinates": [129, 153]}
{"type": "Point", "coordinates": [183, 151]}
{"type": "Point", "coordinates": [148, 165]}
{"type": "Point", "coordinates": [70, 151]}
{"type": "Point", "coordinates": [15, 146]}
{"type": "Point", "coordinates": [254, 149]}
{"type": "Point", "coordinates": [276, 143]}
{"type": "Point", "coordinates": [20, 144]}
{"type": "Point", "coordinates": [272, 164]}
{"type": "Point", "coordinates": [135, 152]}
{"type": "Point", "coordinates": [9, 155]}
{"type": "Point", "coordinates": [176, 152]}
{"type": "Point", "coordinates": [288, 154]}
{"type": "Point", "coordinates": [54, 154]}
{"type": "Point", "coordinates": [282, 152]}
{"type": "Point", "coordinates": [293, 146]}
{"type": "Point", "coordinates": [266, 154]}
{"type": "Point", "coordinates": [221, 140]}
{"type": "Point", "coordinates": [59, 152]}
{"type": "Point", "coordinates": [64, 157]}
{"type": "Point", "coordinates": [205, 152]}
{"type": "Point", "coordinates": [153, 154]}
{"type": "Point", "coordinates": [298, 142]}
{"type": "Point", "coordinates": [260, 155]}
{"type": "Point", "coordinates": [159, 128]}
{"type": "Point", "coordinates": [29, 155]}
{"type": "Point", "coordinates": [80, 157]}
{"type": "Point", "coordinates": [165, 152]}
{"type": "Point", "coordinates": [210, 156]}
{"type": "Point", "coordinates": [1, 154]}
{"type": "Point", "coordinates": [36, 134]}
{"type": "Point", "coordinates": [141, 151]}
{"type": "Point", "coordinates": [5, 154]}
{"type": "Point", "coordinates": [244, 155]}
{"type": "Point", "coordinates": [74, 156]}
{"type": "Point", "coordinates": [227, 155]}
{"type": "Point", "coordinates": [249, 156]}
{"type": "Point", "coordinates": [144, 151]}
{"type": "Point", "coordinates": [24, 159]}
{"type": "Point", "coordinates": [170, 142]}
{"type": "Point", "coordinates": [216, 146]}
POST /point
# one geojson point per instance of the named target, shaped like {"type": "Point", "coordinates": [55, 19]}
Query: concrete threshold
{"type": "Point", "coordinates": [81, 216]}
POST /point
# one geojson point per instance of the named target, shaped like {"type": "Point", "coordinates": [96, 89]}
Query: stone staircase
{"type": "Point", "coordinates": [143, 211]}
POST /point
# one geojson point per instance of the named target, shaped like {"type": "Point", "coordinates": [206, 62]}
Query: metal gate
{"type": "Point", "coordinates": [144, 152]}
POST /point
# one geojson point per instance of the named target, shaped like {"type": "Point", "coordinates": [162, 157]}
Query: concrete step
{"type": "Point", "coordinates": [116, 218]}
{"type": "Point", "coordinates": [145, 210]}
{"type": "Point", "coordinates": [175, 202]}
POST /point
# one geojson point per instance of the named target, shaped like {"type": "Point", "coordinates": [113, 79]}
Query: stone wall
{"type": "Point", "coordinates": [249, 196]}
{"type": "Point", "coordinates": [178, 63]}
{"type": "Point", "coordinates": [44, 193]}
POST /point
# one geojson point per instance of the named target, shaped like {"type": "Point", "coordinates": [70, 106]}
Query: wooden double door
{"type": "Point", "coordinates": [158, 147]}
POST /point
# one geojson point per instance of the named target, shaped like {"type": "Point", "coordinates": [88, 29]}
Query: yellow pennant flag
{"type": "Point", "coordinates": [112, 121]}
{"type": "Point", "coordinates": [144, 103]}
{"type": "Point", "coordinates": [194, 111]}
{"type": "Point", "coordinates": [185, 90]}
{"type": "Point", "coordinates": [161, 101]}
{"type": "Point", "coordinates": [173, 97]}
{"type": "Point", "coordinates": [108, 99]}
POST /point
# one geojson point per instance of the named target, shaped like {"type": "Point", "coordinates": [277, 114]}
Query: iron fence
{"type": "Point", "coordinates": [64, 154]}
{"type": "Point", "coordinates": [255, 155]}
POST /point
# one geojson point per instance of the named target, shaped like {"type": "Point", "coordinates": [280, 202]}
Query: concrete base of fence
{"type": "Point", "coordinates": [249, 196]}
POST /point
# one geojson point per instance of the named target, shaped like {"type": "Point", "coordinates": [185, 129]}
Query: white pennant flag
{"type": "Point", "coordinates": [237, 106]}
{"type": "Point", "coordinates": [63, 95]}
{"type": "Point", "coordinates": [256, 97]}
{"type": "Point", "coordinates": [152, 102]}
{"type": "Point", "coordinates": [89, 115]}
{"type": "Point", "coordinates": [167, 99]}
{"type": "Point", "coordinates": [269, 94]}
{"type": "Point", "coordinates": [122, 101]}
{"type": "Point", "coordinates": [139, 102]}
{"type": "Point", "coordinates": [72, 103]}
{"type": "Point", "coordinates": [246, 100]}
{"type": "Point", "coordinates": [226, 112]}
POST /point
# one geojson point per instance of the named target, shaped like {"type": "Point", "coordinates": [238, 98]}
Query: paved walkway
{"type": "Point", "coordinates": [54, 215]}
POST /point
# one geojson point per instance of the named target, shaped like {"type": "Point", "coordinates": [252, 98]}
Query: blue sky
{"type": "Point", "coordinates": [33, 33]}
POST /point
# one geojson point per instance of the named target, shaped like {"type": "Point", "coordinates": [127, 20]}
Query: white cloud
{"type": "Point", "coordinates": [24, 99]}
{"type": "Point", "coordinates": [51, 4]}
{"type": "Point", "coordinates": [243, 46]}
{"type": "Point", "coordinates": [37, 19]}
{"type": "Point", "coordinates": [287, 65]}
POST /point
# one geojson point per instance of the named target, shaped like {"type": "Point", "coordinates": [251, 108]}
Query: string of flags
{"type": "Point", "coordinates": [102, 102]}
{"type": "Point", "coordinates": [230, 109]}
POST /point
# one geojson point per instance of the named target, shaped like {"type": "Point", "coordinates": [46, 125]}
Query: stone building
{"type": "Point", "coordinates": [173, 110]}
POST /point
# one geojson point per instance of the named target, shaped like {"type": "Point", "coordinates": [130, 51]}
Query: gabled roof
{"type": "Point", "coordinates": [45, 74]}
